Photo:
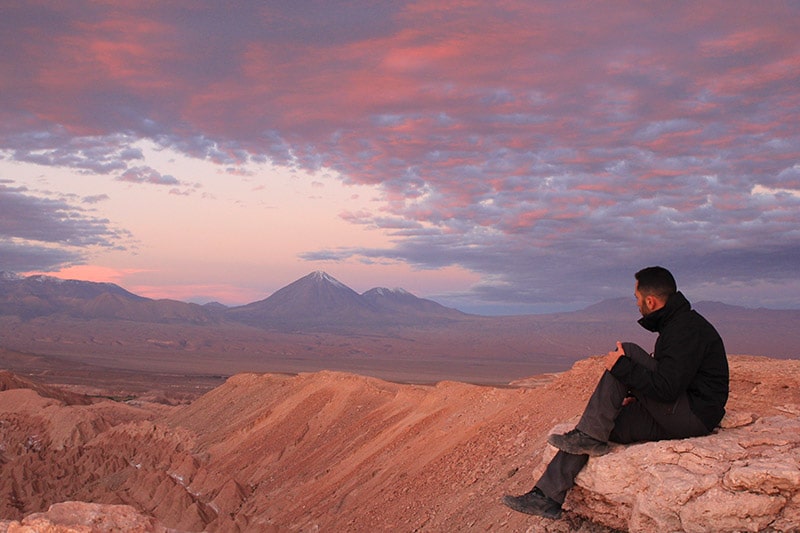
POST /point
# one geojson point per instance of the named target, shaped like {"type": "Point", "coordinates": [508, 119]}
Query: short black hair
{"type": "Point", "coordinates": [656, 281]}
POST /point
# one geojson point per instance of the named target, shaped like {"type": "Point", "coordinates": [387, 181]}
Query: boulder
{"type": "Point", "coordinates": [743, 477]}
{"type": "Point", "coordinates": [82, 517]}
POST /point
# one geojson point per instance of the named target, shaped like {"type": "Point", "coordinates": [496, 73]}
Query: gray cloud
{"type": "Point", "coordinates": [95, 198]}
{"type": "Point", "coordinates": [25, 257]}
{"type": "Point", "coordinates": [56, 147]}
{"type": "Point", "coordinates": [144, 174]}
{"type": "Point", "coordinates": [41, 234]}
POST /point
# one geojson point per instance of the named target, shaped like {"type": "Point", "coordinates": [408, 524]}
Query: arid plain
{"type": "Point", "coordinates": [99, 335]}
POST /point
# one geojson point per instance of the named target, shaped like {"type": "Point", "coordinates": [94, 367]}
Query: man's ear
{"type": "Point", "coordinates": [654, 303]}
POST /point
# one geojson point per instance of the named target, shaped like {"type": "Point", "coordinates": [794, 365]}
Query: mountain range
{"type": "Point", "coordinates": [317, 300]}
{"type": "Point", "coordinates": [87, 329]}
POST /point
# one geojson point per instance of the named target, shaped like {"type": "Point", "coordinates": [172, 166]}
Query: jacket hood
{"type": "Point", "coordinates": [655, 321]}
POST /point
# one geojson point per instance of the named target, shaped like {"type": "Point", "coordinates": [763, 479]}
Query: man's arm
{"type": "Point", "coordinates": [678, 354]}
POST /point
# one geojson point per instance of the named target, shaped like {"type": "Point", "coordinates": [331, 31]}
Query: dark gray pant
{"type": "Point", "coordinates": [606, 419]}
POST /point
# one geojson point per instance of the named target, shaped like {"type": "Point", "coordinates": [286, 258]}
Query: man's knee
{"type": "Point", "coordinates": [639, 355]}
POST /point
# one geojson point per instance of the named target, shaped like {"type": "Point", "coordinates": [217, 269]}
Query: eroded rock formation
{"type": "Point", "coordinates": [342, 452]}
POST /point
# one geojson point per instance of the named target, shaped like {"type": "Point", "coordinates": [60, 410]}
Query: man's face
{"type": "Point", "coordinates": [641, 301]}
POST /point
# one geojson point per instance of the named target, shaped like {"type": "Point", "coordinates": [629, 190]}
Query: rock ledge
{"type": "Point", "coordinates": [744, 477]}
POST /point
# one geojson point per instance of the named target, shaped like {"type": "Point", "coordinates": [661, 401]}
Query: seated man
{"type": "Point", "coordinates": [680, 391]}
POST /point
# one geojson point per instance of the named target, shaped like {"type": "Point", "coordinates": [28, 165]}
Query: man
{"type": "Point", "coordinates": [680, 391]}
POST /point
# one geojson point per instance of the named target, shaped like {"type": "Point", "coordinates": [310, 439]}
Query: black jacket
{"type": "Point", "coordinates": [691, 358]}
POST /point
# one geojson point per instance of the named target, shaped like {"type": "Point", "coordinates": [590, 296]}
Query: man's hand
{"type": "Point", "coordinates": [611, 358]}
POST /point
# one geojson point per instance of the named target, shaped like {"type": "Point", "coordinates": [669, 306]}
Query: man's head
{"type": "Point", "coordinates": [654, 286]}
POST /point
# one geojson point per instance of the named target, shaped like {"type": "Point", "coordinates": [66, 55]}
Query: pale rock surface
{"type": "Point", "coordinates": [744, 477]}
{"type": "Point", "coordinates": [81, 517]}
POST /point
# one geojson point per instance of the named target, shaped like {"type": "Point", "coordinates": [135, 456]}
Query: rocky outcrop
{"type": "Point", "coordinates": [81, 517]}
{"type": "Point", "coordinates": [9, 381]}
{"type": "Point", "coordinates": [744, 477]}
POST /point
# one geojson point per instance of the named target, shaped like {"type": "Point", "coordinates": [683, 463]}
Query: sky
{"type": "Point", "coordinates": [499, 157]}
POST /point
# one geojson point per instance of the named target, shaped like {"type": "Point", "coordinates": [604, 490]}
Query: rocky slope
{"type": "Point", "coordinates": [333, 452]}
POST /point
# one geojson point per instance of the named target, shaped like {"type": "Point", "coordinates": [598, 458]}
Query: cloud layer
{"type": "Point", "coordinates": [552, 147]}
{"type": "Point", "coordinates": [41, 233]}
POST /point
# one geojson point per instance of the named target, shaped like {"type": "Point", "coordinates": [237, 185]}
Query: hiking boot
{"type": "Point", "coordinates": [578, 443]}
{"type": "Point", "coordinates": [534, 502]}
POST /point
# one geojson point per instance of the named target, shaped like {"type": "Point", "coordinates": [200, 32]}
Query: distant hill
{"type": "Point", "coordinates": [769, 332]}
{"type": "Point", "coordinates": [36, 296]}
{"type": "Point", "coordinates": [401, 301]}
